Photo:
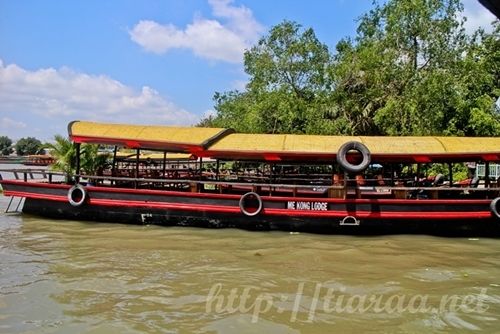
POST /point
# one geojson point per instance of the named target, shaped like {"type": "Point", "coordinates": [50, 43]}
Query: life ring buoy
{"type": "Point", "coordinates": [353, 146]}
{"type": "Point", "coordinates": [251, 204]}
{"type": "Point", "coordinates": [495, 207]}
{"type": "Point", "coordinates": [77, 195]}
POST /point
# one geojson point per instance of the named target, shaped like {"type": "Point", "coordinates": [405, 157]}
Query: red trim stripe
{"type": "Point", "coordinates": [328, 156]}
{"type": "Point", "coordinates": [169, 206]}
{"type": "Point", "coordinates": [35, 195]}
{"type": "Point", "coordinates": [139, 143]}
{"type": "Point", "coordinates": [382, 215]}
{"type": "Point", "coordinates": [36, 184]}
{"type": "Point", "coordinates": [265, 198]}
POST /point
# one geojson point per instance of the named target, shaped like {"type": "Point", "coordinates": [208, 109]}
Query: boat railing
{"type": "Point", "coordinates": [234, 186]}
{"type": "Point", "coordinates": [30, 174]}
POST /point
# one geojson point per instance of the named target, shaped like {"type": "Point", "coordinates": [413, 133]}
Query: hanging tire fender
{"type": "Point", "coordinates": [495, 207]}
{"type": "Point", "coordinates": [353, 146]}
{"type": "Point", "coordinates": [77, 195]}
{"type": "Point", "coordinates": [247, 204]}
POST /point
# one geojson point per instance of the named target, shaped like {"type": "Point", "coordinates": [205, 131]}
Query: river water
{"type": "Point", "coordinates": [60, 276]}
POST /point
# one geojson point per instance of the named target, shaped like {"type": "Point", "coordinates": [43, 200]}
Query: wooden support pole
{"type": "Point", "coordinates": [487, 174]}
{"type": "Point", "coordinates": [77, 168]}
{"type": "Point", "coordinates": [200, 171]}
{"type": "Point", "coordinates": [164, 164]}
{"type": "Point", "coordinates": [450, 172]}
{"type": "Point", "coordinates": [417, 178]}
{"type": "Point", "coordinates": [217, 163]}
{"type": "Point", "coordinates": [113, 164]}
{"type": "Point", "coordinates": [138, 153]}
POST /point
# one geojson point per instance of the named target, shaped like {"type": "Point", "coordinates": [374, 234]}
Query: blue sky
{"type": "Point", "coordinates": [143, 62]}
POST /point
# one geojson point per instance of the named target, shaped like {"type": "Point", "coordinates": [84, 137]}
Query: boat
{"type": "Point", "coordinates": [215, 177]}
{"type": "Point", "coordinates": [39, 160]}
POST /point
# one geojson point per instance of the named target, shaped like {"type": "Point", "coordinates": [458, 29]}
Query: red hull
{"type": "Point", "coordinates": [226, 208]}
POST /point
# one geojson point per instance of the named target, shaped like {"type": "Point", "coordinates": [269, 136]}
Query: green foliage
{"type": "Point", "coordinates": [483, 120]}
{"type": "Point", "coordinates": [410, 70]}
{"type": "Point", "coordinates": [5, 145]}
{"type": "Point", "coordinates": [92, 162]}
{"type": "Point", "coordinates": [287, 88]}
{"type": "Point", "coordinates": [400, 75]}
{"type": "Point", "coordinates": [64, 153]}
{"type": "Point", "coordinates": [27, 146]}
{"type": "Point", "coordinates": [288, 60]}
{"type": "Point", "coordinates": [459, 170]}
{"type": "Point", "coordinates": [481, 85]}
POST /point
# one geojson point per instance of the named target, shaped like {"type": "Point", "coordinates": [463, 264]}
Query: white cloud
{"type": "Point", "coordinates": [477, 16]}
{"type": "Point", "coordinates": [210, 39]}
{"type": "Point", "coordinates": [240, 85]}
{"type": "Point", "coordinates": [9, 123]}
{"type": "Point", "coordinates": [51, 96]}
{"type": "Point", "coordinates": [209, 113]}
{"type": "Point", "coordinates": [240, 19]}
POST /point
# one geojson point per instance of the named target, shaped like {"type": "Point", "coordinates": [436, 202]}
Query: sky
{"type": "Point", "coordinates": [144, 62]}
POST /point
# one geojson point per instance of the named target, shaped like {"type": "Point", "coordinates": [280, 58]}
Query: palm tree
{"type": "Point", "coordinates": [93, 162]}
{"type": "Point", "coordinates": [64, 153]}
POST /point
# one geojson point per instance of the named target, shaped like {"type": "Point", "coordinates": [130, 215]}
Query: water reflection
{"type": "Point", "coordinates": [61, 276]}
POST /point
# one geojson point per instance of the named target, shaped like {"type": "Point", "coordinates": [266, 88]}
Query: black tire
{"type": "Point", "coordinates": [495, 207]}
{"type": "Point", "coordinates": [353, 146]}
{"type": "Point", "coordinates": [246, 199]}
{"type": "Point", "coordinates": [77, 195]}
{"type": "Point", "coordinates": [438, 180]}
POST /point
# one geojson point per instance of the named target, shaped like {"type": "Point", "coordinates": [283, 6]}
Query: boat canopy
{"type": "Point", "coordinates": [222, 143]}
{"type": "Point", "coordinates": [325, 148]}
{"type": "Point", "coordinates": [165, 138]}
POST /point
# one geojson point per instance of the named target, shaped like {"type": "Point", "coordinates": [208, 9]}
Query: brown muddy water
{"type": "Point", "coordinates": [78, 277]}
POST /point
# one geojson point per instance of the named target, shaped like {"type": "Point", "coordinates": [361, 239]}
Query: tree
{"type": "Point", "coordinates": [412, 70]}
{"type": "Point", "coordinates": [64, 153]}
{"type": "Point", "coordinates": [481, 82]}
{"type": "Point", "coordinates": [288, 84]}
{"type": "Point", "coordinates": [5, 145]}
{"type": "Point", "coordinates": [28, 145]}
{"type": "Point", "coordinates": [92, 162]}
{"type": "Point", "coordinates": [402, 73]}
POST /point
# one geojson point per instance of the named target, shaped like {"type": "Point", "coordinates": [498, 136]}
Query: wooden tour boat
{"type": "Point", "coordinates": [215, 177]}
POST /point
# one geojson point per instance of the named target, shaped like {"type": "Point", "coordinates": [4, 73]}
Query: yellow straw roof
{"type": "Point", "coordinates": [176, 139]}
{"type": "Point", "coordinates": [277, 147]}
{"type": "Point", "coordinates": [223, 143]}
